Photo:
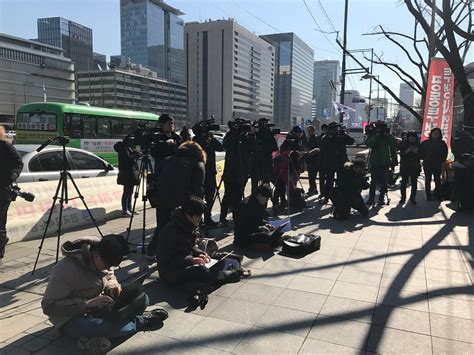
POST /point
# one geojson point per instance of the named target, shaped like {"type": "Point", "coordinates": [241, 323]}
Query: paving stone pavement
{"type": "Point", "coordinates": [400, 282]}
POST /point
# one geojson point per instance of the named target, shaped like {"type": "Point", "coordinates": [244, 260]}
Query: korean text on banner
{"type": "Point", "coordinates": [439, 100]}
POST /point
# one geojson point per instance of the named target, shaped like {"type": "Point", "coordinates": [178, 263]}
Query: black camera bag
{"type": "Point", "coordinates": [301, 244]}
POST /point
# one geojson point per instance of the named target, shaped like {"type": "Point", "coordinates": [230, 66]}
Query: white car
{"type": "Point", "coordinates": [47, 164]}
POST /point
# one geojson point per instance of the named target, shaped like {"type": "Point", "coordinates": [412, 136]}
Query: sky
{"type": "Point", "coordinates": [18, 17]}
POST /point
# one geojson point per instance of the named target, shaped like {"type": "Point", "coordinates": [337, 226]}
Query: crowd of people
{"type": "Point", "coordinates": [82, 288]}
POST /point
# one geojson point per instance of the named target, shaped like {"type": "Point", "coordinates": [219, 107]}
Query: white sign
{"type": "Point", "coordinates": [99, 145]}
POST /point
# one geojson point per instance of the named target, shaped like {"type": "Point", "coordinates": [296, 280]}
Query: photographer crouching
{"type": "Point", "coordinates": [11, 169]}
{"type": "Point", "coordinates": [205, 138]}
{"type": "Point", "coordinates": [382, 156]}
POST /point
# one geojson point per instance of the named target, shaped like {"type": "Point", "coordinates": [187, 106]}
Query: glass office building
{"type": "Point", "coordinates": [73, 38]}
{"type": "Point", "coordinates": [152, 35]}
{"type": "Point", "coordinates": [294, 79]}
{"type": "Point", "coordinates": [325, 72]}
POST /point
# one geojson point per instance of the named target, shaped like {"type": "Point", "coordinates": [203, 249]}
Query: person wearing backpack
{"type": "Point", "coordinates": [434, 153]}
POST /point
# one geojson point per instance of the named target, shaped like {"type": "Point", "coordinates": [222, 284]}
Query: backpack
{"type": "Point", "coordinates": [301, 244]}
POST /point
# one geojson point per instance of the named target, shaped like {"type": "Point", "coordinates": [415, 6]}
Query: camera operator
{"type": "Point", "coordinates": [312, 161]}
{"type": "Point", "coordinates": [410, 167]}
{"type": "Point", "coordinates": [434, 152]}
{"type": "Point", "coordinates": [383, 155]}
{"type": "Point", "coordinates": [351, 180]}
{"type": "Point", "coordinates": [261, 158]}
{"type": "Point", "coordinates": [238, 143]}
{"type": "Point", "coordinates": [128, 174]}
{"type": "Point", "coordinates": [11, 169]}
{"type": "Point", "coordinates": [294, 140]}
{"type": "Point", "coordinates": [166, 142]}
{"type": "Point", "coordinates": [182, 177]}
{"type": "Point", "coordinates": [333, 155]}
{"type": "Point", "coordinates": [205, 138]}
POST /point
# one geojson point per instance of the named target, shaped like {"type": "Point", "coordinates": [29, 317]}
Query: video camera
{"type": "Point", "coordinates": [15, 193]}
{"type": "Point", "coordinates": [205, 126]}
{"type": "Point", "coordinates": [263, 126]}
{"type": "Point", "coordinates": [377, 127]}
{"type": "Point", "coordinates": [145, 136]}
{"type": "Point", "coordinates": [336, 129]}
{"type": "Point", "coordinates": [240, 125]}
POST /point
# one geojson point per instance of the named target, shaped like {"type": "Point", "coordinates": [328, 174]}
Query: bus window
{"type": "Point", "coordinates": [103, 127]}
{"type": "Point", "coordinates": [74, 128]}
{"type": "Point", "coordinates": [129, 127]}
{"type": "Point", "coordinates": [117, 128]}
{"type": "Point", "coordinates": [89, 126]}
{"type": "Point", "coordinates": [36, 121]}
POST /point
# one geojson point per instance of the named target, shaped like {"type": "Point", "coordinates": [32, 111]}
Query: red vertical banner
{"type": "Point", "coordinates": [439, 100]}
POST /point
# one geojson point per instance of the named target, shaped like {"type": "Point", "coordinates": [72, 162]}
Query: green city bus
{"type": "Point", "coordinates": [95, 129]}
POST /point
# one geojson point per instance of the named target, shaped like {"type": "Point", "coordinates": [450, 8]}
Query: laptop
{"type": "Point", "coordinates": [129, 292]}
{"type": "Point", "coordinates": [279, 229]}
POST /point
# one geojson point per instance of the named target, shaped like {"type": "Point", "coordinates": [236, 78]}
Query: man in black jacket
{"type": "Point", "coordinates": [11, 169]}
{"type": "Point", "coordinates": [312, 161]}
{"type": "Point", "coordinates": [166, 142]}
{"type": "Point", "coordinates": [210, 145]}
{"type": "Point", "coordinates": [250, 224]}
{"type": "Point", "coordinates": [333, 154]}
{"type": "Point", "coordinates": [238, 145]}
{"type": "Point", "coordinates": [434, 152]}
{"type": "Point", "coordinates": [128, 174]}
{"type": "Point", "coordinates": [182, 177]}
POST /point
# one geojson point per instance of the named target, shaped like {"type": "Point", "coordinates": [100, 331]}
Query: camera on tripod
{"type": "Point", "coordinates": [380, 127]}
{"type": "Point", "coordinates": [15, 192]}
{"type": "Point", "coordinates": [145, 136]}
{"type": "Point", "coordinates": [240, 125]}
{"type": "Point", "coordinates": [205, 126]}
{"type": "Point", "coordinates": [263, 125]}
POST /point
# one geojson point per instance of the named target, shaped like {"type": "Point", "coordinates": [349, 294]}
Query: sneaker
{"type": "Point", "coordinates": [97, 345]}
{"type": "Point", "coordinates": [154, 317]}
{"type": "Point", "coordinates": [126, 214]}
{"type": "Point", "coordinates": [402, 201]}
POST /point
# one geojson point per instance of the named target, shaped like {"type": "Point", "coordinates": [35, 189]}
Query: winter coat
{"type": "Point", "coordinates": [162, 149]}
{"type": "Point", "coordinates": [176, 247]}
{"type": "Point", "coordinates": [410, 154]}
{"type": "Point", "coordinates": [11, 168]}
{"type": "Point", "coordinates": [286, 170]}
{"type": "Point", "coordinates": [73, 281]}
{"type": "Point", "coordinates": [383, 150]}
{"type": "Point", "coordinates": [249, 217]}
{"type": "Point", "coordinates": [261, 158]}
{"type": "Point", "coordinates": [182, 176]}
{"type": "Point", "coordinates": [237, 157]}
{"type": "Point", "coordinates": [210, 147]}
{"type": "Point", "coordinates": [334, 151]}
{"type": "Point", "coordinates": [313, 142]}
{"type": "Point", "coordinates": [463, 144]}
{"type": "Point", "coordinates": [128, 169]}
{"type": "Point", "coordinates": [349, 183]}
{"type": "Point", "coordinates": [434, 152]}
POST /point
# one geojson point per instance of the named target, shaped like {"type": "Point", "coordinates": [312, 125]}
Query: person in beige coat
{"type": "Point", "coordinates": [82, 286]}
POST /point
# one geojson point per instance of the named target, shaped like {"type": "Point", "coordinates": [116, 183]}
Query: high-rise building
{"type": "Point", "coordinates": [100, 61]}
{"type": "Point", "coordinates": [32, 72]}
{"type": "Point", "coordinates": [152, 35]}
{"type": "Point", "coordinates": [133, 87]}
{"type": "Point", "coordinates": [229, 72]}
{"type": "Point", "coordinates": [73, 38]}
{"type": "Point", "coordinates": [294, 79]}
{"type": "Point", "coordinates": [326, 73]}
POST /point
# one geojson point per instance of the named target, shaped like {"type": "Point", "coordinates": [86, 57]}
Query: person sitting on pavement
{"type": "Point", "coordinates": [182, 263]}
{"type": "Point", "coordinates": [350, 182]}
{"type": "Point", "coordinates": [81, 292]}
{"type": "Point", "coordinates": [250, 225]}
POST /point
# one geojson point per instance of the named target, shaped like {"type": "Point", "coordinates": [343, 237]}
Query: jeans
{"type": "Point", "coordinates": [312, 173]}
{"type": "Point", "coordinates": [404, 183]}
{"type": "Point", "coordinates": [378, 176]}
{"type": "Point", "coordinates": [429, 173]}
{"type": "Point", "coordinates": [4, 205]}
{"type": "Point", "coordinates": [127, 197]}
{"type": "Point", "coordinates": [89, 326]}
{"type": "Point", "coordinates": [233, 194]}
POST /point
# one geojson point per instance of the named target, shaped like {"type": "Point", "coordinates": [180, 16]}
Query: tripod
{"type": "Point", "coordinates": [145, 169]}
{"type": "Point", "coordinates": [63, 198]}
